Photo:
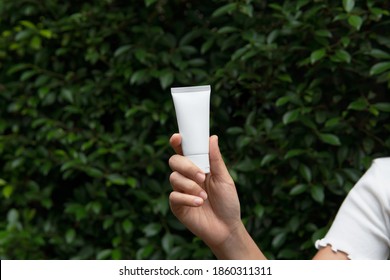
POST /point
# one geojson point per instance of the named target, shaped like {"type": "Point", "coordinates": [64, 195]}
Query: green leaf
{"type": "Point", "coordinates": [323, 33]}
{"type": "Point", "coordinates": [127, 226]}
{"type": "Point", "coordinates": [246, 165]}
{"type": "Point", "coordinates": [228, 8]}
{"type": "Point", "coordinates": [96, 207]}
{"type": "Point", "coordinates": [132, 182]}
{"type": "Point", "coordinates": [378, 12]}
{"type": "Point", "coordinates": [382, 106]}
{"type": "Point", "coordinates": [246, 9]}
{"type": "Point", "coordinates": [17, 68]}
{"type": "Point", "coordinates": [116, 179]}
{"type": "Point", "coordinates": [149, 2]}
{"type": "Point", "coordinates": [348, 5]}
{"type": "Point", "coordinates": [121, 50]}
{"type": "Point", "coordinates": [93, 172]}
{"type": "Point", "coordinates": [196, 62]}
{"type": "Point", "coordinates": [259, 211]}
{"type": "Point", "coordinates": [28, 24]}
{"type": "Point", "coordinates": [166, 79]}
{"type": "Point", "coordinates": [108, 222]}
{"type": "Point", "coordinates": [317, 55]}
{"type": "Point", "coordinates": [290, 116]}
{"type": "Point", "coordinates": [305, 172]}
{"type": "Point", "coordinates": [377, 53]}
{"type": "Point", "coordinates": [294, 153]}
{"type": "Point", "coordinates": [207, 45]}
{"type": "Point", "coordinates": [27, 75]}
{"type": "Point", "coordinates": [70, 165]}
{"type": "Point", "coordinates": [272, 36]}
{"type": "Point", "coordinates": [145, 252]}
{"type": "Point", "coordinates": [317, 193]}
{"type": "Point", "coordinates": [7, 191]}
{"type": "Point", "coordinates": [104, 254]}
{"type": "Point", "coordinates": [67, 94]}
{"type": "Point", "coordinates": [13, 216]}
{"type": "Point", "coordinates": [341, 56]}
{"type": "Point", "coordinates": [298, 189]}
{"type": "Point", "coordinates": [70, 235]}
{"type": "Point", "coordinates": [355, 21]}
{"type": "Point", "coordinates": [368, 145]}
{"type": "Point", "coordinates": [77, 210]}
{"type": "Point", "coordinates": [167, 242]}
{"type": "Point", "coordinates": [36, 43]}
{"type": "Point", "coordinates": [152, 229]}
{"type": "Point", "coordinates": [294, 223]}
{"type": "Point", "coordinates": [240, 52]}
{"type": "Point", "coordinates": [285, 78]}
{"type": "Point", "coordinates": [116, 254]}
{"type": "Point", "coordinates": [161, 205]}
{"type": "Point", "coordinates": [330, 139]}
{"type": "Point", "coordinates": [17, 162]}
{"type": "Point", "coordinates": [187, 50]}
{"type": "Point", "coordinates": [189, 37]}
{"type": "Point", "coordinates": [139, 76]}
{"type": "Point", "coordinates": [227, 29]}
{"type": "Point", "coordinates": [345, 41]}
{"type": "Point", "coordinates": [267, 159]}
{"type": "Point", "coordinates": [373, 111]}
{"type": "Point", "coordinates": [279, 239]}
{"type": "Point", "coordinates": [46, 33]}
{"type": "Point", "coordinates": [358, 105]}
{"type": "Point", "coordinates": [276, 7]}
{"type": "Point", "coordinates": [282, 101]}
{"type": "Point", "coordinates": [235, 130]}
{"type": "Point", "coordinates": [332, 122]}
{"type": "Point", "coordinates": [319, 234]}
{"type": "Point", "coordinates": [379, 68]}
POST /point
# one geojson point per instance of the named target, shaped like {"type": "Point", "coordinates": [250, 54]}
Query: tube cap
{"type": "Point", "coordinates": [202, 161]}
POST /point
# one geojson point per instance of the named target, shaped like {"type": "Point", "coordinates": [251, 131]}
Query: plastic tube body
{"type": "Point", "coordinates": [192, 106]}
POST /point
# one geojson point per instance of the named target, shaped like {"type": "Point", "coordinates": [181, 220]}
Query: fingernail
{"type": "Point", "coordinates": [198, 201]}
{"type": "Point", "coordinates": [203, 195]}
{"type": "Point", "coordinates": [200, 177]}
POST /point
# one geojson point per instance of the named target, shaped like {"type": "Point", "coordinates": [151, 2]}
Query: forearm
{"type": "Point", "coordinates": [238, 246]}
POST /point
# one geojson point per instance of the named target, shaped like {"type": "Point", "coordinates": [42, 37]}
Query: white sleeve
{"type": "Point", "coordinates": [361, 228]}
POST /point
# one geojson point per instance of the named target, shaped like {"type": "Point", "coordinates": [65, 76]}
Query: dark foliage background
{"type": "Point", "coordinates": [299, 101]}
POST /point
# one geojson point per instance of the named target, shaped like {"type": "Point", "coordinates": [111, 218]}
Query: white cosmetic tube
{"type": "Point", "coordinates": [192, 106]}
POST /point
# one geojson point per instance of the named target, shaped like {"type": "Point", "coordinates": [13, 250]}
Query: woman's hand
{"type": "Point", "coordinates": [208, 205]}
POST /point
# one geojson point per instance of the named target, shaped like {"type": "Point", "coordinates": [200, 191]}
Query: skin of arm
{"type": "Point", "coordinates": [209, 207]}
{"type": "Point", "coordinates": [327, 253]}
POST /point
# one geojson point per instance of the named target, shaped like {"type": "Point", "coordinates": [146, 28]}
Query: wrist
{"type": "Point", "coordinates": [238, 246]}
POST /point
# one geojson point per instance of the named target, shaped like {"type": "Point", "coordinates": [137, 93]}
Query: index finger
{"type": "Point", "coordinates": [175, 142]}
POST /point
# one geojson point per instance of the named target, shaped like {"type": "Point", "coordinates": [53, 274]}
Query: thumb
{"type": "Point", "coordinates": [217, 165]}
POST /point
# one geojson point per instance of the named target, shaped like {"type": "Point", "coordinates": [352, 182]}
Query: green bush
{"type": "Point", "coordinates": [299, 101]}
